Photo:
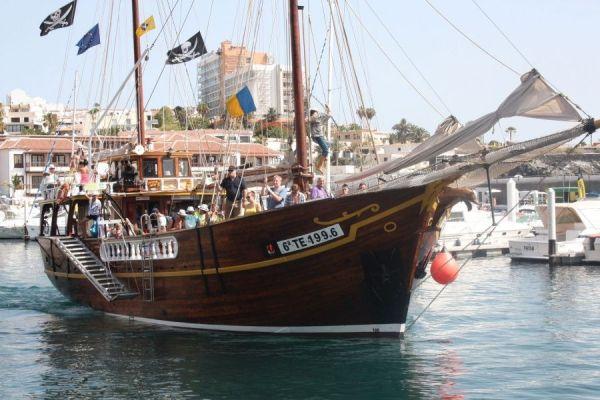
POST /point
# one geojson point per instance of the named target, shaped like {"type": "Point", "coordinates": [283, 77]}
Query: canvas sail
{"type": "Point", "coordinates": [534, 98]}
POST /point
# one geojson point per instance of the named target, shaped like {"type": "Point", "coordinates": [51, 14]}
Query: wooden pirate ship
{"type": "Point", "coordinates": [334, 266]}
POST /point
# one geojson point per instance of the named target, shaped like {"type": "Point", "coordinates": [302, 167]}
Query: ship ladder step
{"type": "Point", "coordinates": [109, 286]}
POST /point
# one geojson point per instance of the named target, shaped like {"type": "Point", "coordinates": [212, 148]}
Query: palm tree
{"type": "Point", "coordinates": [417, 134]}
{"type": "Point", "coordinates": [202, 109]}
{"type": "Point", "coordinates": [511, 130]}
{"type": "Point", "coordinates": [1, 117]}
{"type": "Point", "coordinates": [51, 122]}
{"type": "Point", "coordinates": [366, 113]}
{"type": "Point", "coordinates": [401, 131]}
{"type": "Point", "coordinates": [94, 111]}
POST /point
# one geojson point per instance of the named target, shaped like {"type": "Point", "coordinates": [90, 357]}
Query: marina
{"type": "Point", "coordinates": [207, 201]}
{"type": "Point", "coordinates": [498, 322]}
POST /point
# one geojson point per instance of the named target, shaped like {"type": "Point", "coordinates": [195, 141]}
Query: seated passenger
{"type": "Point", "coordinates": [203, 217]}
{"type": "Point", "coordinates": [215, 215]}
{"type": "Point", "coordinates": [319, 191]}
{"type": "Point", "coordinates": [276, 194]}
{"type": "Point", "coordinates": [362, 187]}
{"type": "Point", "coordinates": [117, 232]}
{"type": "Point", "coordinates": [345, 190]}
{"type": "Point", "coordinates": [251, 206]}
{"type": "Point", "coordinates": [190, 219]}
{"type": "Point", "coordinates": [295, 196]}
{"type": "Point", "coordinates": [178, 223]}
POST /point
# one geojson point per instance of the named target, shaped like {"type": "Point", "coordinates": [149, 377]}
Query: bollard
{"type": "Point", "coordinates": [551, 228]}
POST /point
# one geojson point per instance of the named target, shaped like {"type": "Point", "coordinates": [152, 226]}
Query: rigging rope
{"type": "Point", "coordinates": [493, 228]}
{"type": "Point", "coordinates": [473, 42]}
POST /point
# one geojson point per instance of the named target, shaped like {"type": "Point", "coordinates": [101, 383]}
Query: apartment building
{"type": "Point", "coordinates": [223, 72]}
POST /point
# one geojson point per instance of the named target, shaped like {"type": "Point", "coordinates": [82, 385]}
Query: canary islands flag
{"type": "Point", "coordinates": [146, 26]}
{"type": "Point", "coordinates": [241, 103]}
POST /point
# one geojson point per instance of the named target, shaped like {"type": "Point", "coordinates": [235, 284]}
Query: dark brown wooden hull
{"type": "Point", "coordinates": [224, 278]}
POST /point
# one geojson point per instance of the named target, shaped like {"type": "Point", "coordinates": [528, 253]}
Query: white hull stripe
{"type": "Point", "coordinates": [331, 329]}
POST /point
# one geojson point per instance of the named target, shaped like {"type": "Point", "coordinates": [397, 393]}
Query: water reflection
{"type": "Point", "coordinates": [100, 356]}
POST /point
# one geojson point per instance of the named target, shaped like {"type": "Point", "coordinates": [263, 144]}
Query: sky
{"type": "Point", "coordinates": [556, 36]}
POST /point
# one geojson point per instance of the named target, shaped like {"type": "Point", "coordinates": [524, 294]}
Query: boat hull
{"type": "Point", "coordinates": [224, 277]}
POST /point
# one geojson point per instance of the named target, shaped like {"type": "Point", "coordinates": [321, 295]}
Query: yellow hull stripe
{"type": "Point", "coordinates": [266, 263]}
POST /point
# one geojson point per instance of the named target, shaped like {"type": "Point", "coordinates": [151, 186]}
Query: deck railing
{"type": "Point", "coordinates": [139, 248]}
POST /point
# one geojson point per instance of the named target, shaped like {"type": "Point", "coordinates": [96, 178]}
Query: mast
{"type": "Point", "coordinates": [299, 125]}
{"type": "Point", "coordinates": [329, 88]}
{"type": "Point", "coordinates": [73, 116]}
{"type": "Point", "coordinates": [138, 76]}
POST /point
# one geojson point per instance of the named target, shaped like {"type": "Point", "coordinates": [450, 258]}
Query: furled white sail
{"type": "Point", "coordinates": [534, 98]}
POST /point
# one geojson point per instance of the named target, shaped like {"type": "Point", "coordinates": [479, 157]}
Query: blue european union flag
{"type": "Point", "coordinates": [90, 39]}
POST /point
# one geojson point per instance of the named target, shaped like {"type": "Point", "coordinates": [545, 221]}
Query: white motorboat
{"type": "Point", "coordinates": [576, 223]}
{"type": "Point", "coordinates": [473, 231]}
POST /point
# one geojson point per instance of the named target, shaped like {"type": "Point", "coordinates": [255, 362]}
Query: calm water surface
{"type": "Point", "coordinates": [501, 331]}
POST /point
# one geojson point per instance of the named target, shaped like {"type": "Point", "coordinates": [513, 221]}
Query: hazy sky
{"type": "Point", "coordinates": [559, 38]}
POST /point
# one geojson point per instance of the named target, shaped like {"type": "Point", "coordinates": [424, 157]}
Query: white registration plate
{"type": "Point", "coordinates": [310, 239]}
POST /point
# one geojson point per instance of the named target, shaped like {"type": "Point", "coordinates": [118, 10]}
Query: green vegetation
{"type": "Point", "coordinates": [404, 132]}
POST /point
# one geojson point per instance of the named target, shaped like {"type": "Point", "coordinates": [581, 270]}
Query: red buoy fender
{"type": "Point", "coordinates": [444, 268]}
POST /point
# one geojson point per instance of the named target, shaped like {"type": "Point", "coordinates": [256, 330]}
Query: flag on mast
{"type": "Point", "coordinates": [90, 39]}
{"type": "Point", "coordinates": [188, 50]}
{"type": "Point", "coordinates": [60, 18]}
{"type": "Point", "coordinates": [146, 26]}
{"type": "Point", "coordinates": [241, 103]}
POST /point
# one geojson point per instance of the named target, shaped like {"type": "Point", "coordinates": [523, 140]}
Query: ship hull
{"type": "Point", "coordinates": [227, 277]}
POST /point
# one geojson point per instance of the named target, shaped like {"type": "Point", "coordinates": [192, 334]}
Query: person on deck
{"type": "Point", "coordinates": [362, 187]}
{"type": "Point", "coordinates": [190, 220]}
{"type": "Point", "coordinates": [295, 196]}
{"type": "Point", "coordinates": [276, 194]}
{"type": "Point", "coordinates": [94, 213]}
{"type": "Point", "coordinates": [319, 191]}
{"type": "Point", "coordinates": [178, 223]}
{"type": "Point", "coordinates": [49, 181]}
{"type": "Point", "coordinates": [235, 190]}
{"type": "Point", "coordinates": [316, 121]}
{"type": "Point", "coordinates": [345, 190]}
{"type": "Point", "coordinates": [215, 215]}
{"type": "Point", "coordinates": [203, 217]}
{"type": "Point", "coordinates": [252, 206]}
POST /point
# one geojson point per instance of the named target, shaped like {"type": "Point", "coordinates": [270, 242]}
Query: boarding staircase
{"type": "Point", "coordinates": [94, 269]}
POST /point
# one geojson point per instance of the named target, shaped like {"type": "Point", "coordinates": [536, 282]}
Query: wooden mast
{"type": "Point", "coordinates": [299, 125]}
{"type": "Point", "coordinates": [138, 76]}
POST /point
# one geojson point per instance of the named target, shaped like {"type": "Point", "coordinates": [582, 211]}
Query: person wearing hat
{"type": "Point", "coordinates": [203, 218]}
{"type": "Point", "coordinates": [178, 224]}
{"type": "Point", "coordinates": [190, 219]}
{"type": "Point", "coordinates": [235, 192]}
{"type": "Point", "coordinates": [49, 181]}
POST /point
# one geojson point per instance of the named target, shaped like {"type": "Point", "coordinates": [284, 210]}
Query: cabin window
{"type": "Point", "coordinates": [150, 167]}
{"type": "Point", "coordinates": [168, 165]}
{"type": "Point", "coordinates": [184, 167]}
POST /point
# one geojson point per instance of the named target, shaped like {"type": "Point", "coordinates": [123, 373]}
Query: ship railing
{"type": "Point", "coordinates": [133, 249]}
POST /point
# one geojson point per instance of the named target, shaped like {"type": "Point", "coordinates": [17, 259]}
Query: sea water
{"type": "Point", "coordinates": [501, 331]}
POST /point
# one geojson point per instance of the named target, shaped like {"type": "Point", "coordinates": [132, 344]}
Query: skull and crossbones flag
{"type": "Point", "coordinates": [60, 18]}
{"type": "Point", "coordinates": [188, 50]}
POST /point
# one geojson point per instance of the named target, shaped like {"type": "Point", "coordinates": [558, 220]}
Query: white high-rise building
{"type": "Point", "coordinates": [270, 85]}
{"type": "Point", "coordinates": [223, 72]}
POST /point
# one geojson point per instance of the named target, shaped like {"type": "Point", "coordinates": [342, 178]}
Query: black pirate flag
{"type": "Point", "coordinates": [60, 18]}
{"type": "Point", "coordinates": [188, 50]}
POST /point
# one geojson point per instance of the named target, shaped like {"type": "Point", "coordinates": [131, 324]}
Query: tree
{"type": "Point", "coordinates": [1, 117]}
{"type": "Point", "coordinates": [418, 134]}
{"type": "Point", "coordinates": [181, 116]}
{"type": "Point", "coordinates": [272, 115]}
{"type": "Point", "coordinates": [202, 109]}
{"type": "Point", "coordinates": [366, 112]}
{"type": "Point", "coordinates": [350, 127]}
{"type": "Point", "coordinates": [401, 131]}
{"type": "Point", "coordinates": [404, 131]}
{"type": "Point", "coordinates": [511, 130]}
{"type": "Point", "coordinates": [94, 112]}
{"type": "Point", "coordinates": [166, 119]}
{"type": "Point", "coordinates": [198, 122]}
{"type": "Point", "coordinates": [50, 123]}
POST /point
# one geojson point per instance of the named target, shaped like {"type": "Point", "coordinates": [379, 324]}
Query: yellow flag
{"type": "Point", "coordinates": [146, 26]}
